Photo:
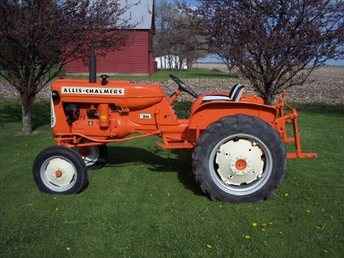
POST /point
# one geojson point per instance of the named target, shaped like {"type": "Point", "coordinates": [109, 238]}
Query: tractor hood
{"type": "Point", "coordinates": [124, 93]}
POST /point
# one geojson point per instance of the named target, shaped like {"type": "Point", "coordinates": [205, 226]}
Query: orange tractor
{"type": "Point", "coordinates": [238, 142]}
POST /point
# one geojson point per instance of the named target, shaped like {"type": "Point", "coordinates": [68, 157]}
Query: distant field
{"type": "Point", "coordinates": [145, 203]}
{"type": "Point", "coordinates": [328, 71]}
{"type": "Point", "coordinates": [326, 86]}
{"type": "Point", "coordinates": [163, 75]}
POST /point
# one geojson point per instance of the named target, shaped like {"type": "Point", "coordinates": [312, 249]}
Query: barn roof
{"type": "Point", "coordinates": [140, 13]}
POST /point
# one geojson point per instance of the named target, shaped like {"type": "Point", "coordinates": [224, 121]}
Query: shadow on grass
{"type": "Point", "coordinates": [181, 164]}
{"type": "Point", "coordinates": [10, 112]}
{"type": "Point", "coordinates": [183, 109]}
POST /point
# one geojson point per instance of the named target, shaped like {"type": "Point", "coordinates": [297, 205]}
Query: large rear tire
{"type": "Point", "coordinates": [59, 170]}
{"type": "Point", "coordinates": [239, 159]}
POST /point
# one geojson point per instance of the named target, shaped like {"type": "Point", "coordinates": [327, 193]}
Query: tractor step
{"type": "Point", "coordinates": [302, 155]}
{"type": "Point", "coordinates": [175, 145]}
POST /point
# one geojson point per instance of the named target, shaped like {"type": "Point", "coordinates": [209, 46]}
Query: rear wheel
{"type": "Point", "coordinates": [239, 159]}
{"type": "Point", "coordinates": [60, 170]}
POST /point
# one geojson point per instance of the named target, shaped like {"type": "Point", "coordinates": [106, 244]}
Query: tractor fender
{"type": "Point", "coordinates": [208, 113]}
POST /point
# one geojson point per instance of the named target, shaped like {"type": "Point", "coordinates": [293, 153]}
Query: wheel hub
{"type": "Point", "coordinates": [59, 173]}
{"type": "Point", "coordinates": [239, 162]}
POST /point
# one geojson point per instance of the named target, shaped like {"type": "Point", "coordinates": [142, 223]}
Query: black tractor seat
{"type": "Point", "coordinates": [234, 95]}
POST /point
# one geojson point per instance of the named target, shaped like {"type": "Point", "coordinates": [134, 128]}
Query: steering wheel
{"type": "Point", "coordinates": [183, 87]}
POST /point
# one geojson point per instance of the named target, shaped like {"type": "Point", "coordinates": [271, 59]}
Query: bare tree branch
{"type": "Point", "coordinates": [275, 44]}
{"type": "Point", "coordinates": [37, 38]}
{"type": "Point", "coordinates": [178, 32]}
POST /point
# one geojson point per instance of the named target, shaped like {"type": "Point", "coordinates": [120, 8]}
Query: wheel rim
{"type": "Point", "coordinates": [240, 164]}
{"type": "Point", "coordinates": [89, 155]}
{"type": "Point", "coordinates": [58, 174]}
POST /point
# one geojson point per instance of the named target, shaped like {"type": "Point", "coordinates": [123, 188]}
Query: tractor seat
{"type": "Point", "coordinates": [234, 95]}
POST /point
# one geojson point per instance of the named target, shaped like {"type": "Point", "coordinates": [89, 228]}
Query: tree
{"type": "Point", "coordinates": [186, 38]}
{"type": "Point", "coordinates": [219, 45]}
{"type": "Point", "coordinates": [275, 44]}
{"type": "Point", "coordinates": [178, 33]}
{"type": "Point", "coordinates": [162, 45]}
{"type": "Point", "coordinates": [38, 38]}
{"type": "Point", "coordinates": [224, 55]}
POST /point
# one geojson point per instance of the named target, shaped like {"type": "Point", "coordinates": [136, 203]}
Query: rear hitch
{"type": "Point", "coordinates": [288, 115]}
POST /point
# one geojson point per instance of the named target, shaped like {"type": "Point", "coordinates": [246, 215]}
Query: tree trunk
{"type": "Point", "coordinates": [229, 67]}
{"type": "Point", "coordinates": [269, 92]}
{"type": "Point", "coordinates": [269, 97]}
{"type": "Point", "coordinates": [269, 100]}
{"type": "Point", "coordinates": [189, 63]}
{"type": "Point", "coordinates": [26, 103]}
{"type": "Point", "coordinates": [180, 64]}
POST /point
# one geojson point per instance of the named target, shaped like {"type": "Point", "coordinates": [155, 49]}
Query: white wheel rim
{"type": "Point", "coordinates": [240, 164]}
{"type": "Point", "coordinates": [89, 155]}
{"type": "Point", "coordinates": [58, 174]}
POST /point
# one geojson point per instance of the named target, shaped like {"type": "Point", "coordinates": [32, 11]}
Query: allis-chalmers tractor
{"type": "Point", "coordinates": [238, 142]}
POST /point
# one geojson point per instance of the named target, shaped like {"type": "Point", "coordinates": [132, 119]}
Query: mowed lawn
{"type": "Point", "coordinates": [146, 204]}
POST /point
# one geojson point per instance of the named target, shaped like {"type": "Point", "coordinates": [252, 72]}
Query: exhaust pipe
{"type": "Point", "coordinates": [92, 67]}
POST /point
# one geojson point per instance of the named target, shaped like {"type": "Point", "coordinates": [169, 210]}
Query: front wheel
{"type": "Point", "coordinates": [239, 159]}
{"type": "Point", "coordinates": [59, 170]}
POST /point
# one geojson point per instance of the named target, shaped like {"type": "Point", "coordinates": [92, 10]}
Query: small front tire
{"type": "Point", "coordinates": [59, 170]}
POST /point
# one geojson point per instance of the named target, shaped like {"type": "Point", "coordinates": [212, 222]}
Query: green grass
{"type": "Point", "coordinates": [163, 75]}
{"type": "Point", "coordinates": [146, 204]}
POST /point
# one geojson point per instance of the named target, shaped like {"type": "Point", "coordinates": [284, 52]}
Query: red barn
{"type": "Point", "coordinates": [136, 56]}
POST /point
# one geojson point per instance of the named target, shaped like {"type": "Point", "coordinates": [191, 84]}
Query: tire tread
{"type": "Point", "coordinates": [223, 128]}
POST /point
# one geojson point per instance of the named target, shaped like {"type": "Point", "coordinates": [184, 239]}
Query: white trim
{"type": "Point", "coordinates": [211, 98]}
{"type": "Point", "coordinates": [52, 113]}
{"type": "Point", "coordinates": [234, 91]}
{"type": "Point", "coordinates": [240, 95]}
